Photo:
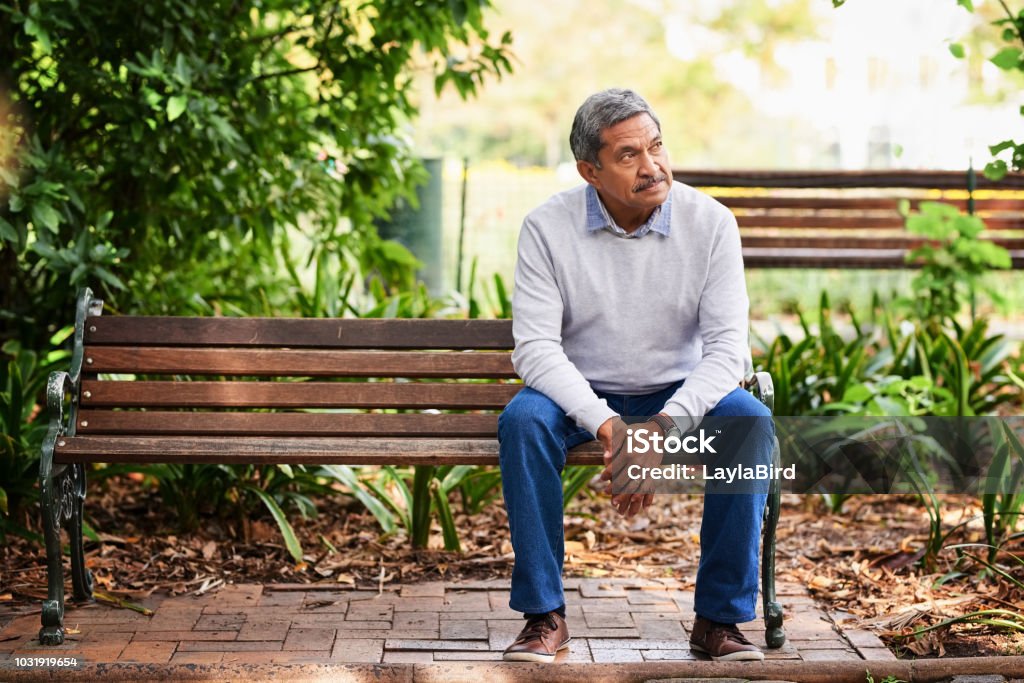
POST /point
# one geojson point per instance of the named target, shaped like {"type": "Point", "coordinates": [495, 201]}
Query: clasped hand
{"type": "Point", "coordinates": [630, 494]}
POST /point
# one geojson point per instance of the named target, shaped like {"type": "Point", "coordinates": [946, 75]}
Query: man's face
{"type": "Point", "coordinates": [634, 176]}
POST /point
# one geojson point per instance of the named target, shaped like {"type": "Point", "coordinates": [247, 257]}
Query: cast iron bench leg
{"type": "Point", "coordinates": [774, 636]}
{"type": "Point", "coordinates": [54, 489]}
{"type": "Point", "coordinates": [81, 578]}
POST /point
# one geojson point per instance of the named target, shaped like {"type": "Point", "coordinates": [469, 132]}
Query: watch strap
{"type": "Point", "coordinates": [665, 422]}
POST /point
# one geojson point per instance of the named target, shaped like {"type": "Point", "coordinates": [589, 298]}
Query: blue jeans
{"type": "Point", "coordinates": [535, 434]}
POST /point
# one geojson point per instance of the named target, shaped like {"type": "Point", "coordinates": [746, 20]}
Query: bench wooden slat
{"type": "Point", "coordinates": [297, 394]}
{"type": "Point", "coordinates": [903, 241]}
{"type": "Point", "coordinates": [869, 179]}
{"type": "Point", "coordinates": [337, 333]}
{"type": "Point", "coordinates": [879, 204]}
{"type": "Point", "coordinates": [823, 258]}
{"type": "Point", "coordinates": [793, 257]}
{"type": "Point", "coordinates": [297, 362]}
{"type": "Point", "coordinates": [90, 422]}
{"type": "Point", "coordinates": [806, 221]}
{"type": "Point", "coordinates": [843, 222]}
{"type": "Point", "coordinates": [293, 450]}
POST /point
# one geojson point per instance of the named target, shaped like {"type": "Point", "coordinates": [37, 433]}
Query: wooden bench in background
{"type": "Point", "coordinates": [851, 219]}
{"type": "Point", "coordinates": [132, 396]}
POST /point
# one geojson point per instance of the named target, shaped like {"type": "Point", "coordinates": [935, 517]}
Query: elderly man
{"type": "Point", "coordinates": [629, 301]}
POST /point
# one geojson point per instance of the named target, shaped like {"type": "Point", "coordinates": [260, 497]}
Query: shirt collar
{"type": "Point", "coordinates": [599, 219]}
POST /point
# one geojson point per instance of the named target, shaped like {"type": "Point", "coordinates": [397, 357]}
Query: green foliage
{"type": "Point", "coordinates": [881, 367]}
{"type": "Point", "coordinates": [1009, 58]}
{"type": "Point", "coordinates": [1002, 508]}
{"type": "Point", "coordinates": [952, 261]}
{"type": "Point", "coordinates": [813, 372]}
{"type": "Point", "coordinates": [170, 151]}
{"type": "Point", "coordinates": [216, 158]}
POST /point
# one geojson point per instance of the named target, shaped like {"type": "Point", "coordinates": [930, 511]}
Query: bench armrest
{"type": "Point", "coordinates": [760, 383]}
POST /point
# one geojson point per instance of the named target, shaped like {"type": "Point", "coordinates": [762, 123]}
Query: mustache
{"type": "Point", "coordinates": [640, 187]}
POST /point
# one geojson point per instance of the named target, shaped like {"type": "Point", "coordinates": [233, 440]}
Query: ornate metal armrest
{"type": "Point", "coordinates": [760, 383]}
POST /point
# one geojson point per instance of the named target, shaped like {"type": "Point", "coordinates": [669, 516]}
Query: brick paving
{"type": "Point", "coordinates": [610, 620]}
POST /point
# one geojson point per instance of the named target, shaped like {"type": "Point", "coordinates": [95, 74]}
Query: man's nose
{"type": "Point", "coordinates": [647, 165]}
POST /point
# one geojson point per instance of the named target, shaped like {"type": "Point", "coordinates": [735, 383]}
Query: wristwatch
{"type": "Point", "coordinates": [668, 426]}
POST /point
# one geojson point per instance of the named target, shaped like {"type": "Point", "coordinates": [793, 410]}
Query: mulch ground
{"type": "Point", "coordinates": [862, 564]}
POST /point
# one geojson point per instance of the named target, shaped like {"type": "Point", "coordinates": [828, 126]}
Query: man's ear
{"type": "Point", "coordinates": [587, 171]}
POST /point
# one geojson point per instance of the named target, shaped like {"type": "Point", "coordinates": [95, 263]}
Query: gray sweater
{"type": "Point", "coordinates": [594, 311]}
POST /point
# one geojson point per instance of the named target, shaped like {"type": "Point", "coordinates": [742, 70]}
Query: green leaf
{"type": "Point", "coordinates": [109, 278]}
{"type": "Point", "coordinates": [9, 177]}
{"type": "Point", "coordinates": [347, 476]}
{"type": "Point", "coordinates": [996, 170]}
{"type": "Point", "coordinates": [957, 50]}
{"type": "Point", "coordinates": [447, 521]}
{"type": "Point", "coordinates": [3, 502]}
{"type": "Point", "coordinates": [175, 106]}
{"type": "Point", "coordinates": [966, 4]}
{"type": "Point", "coordinates": [1007, 58]}
{"type": "Point", "coordinates": [44, 215]}
{"type": "Point", "coordinates": [858, 393]}
{"type": "Point", "coordinates": [39, 33]}
{"type": "Point", "coordinates": [291, 541]}
{"type": "Point", "coordinates": [7, 231]}
{"type": "Point", "coordinates": [1002, 146]}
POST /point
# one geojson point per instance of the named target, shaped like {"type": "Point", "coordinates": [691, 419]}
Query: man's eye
{"type": "Point", "coordinates": [658, 145]}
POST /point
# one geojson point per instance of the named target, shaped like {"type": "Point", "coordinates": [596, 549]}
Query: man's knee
{"type": "Point", "coordinates": [740, 403]}
{"type": "Point", "coordinates": [741, 411]}
{"type": "Point", "coordinates": [529, 410]}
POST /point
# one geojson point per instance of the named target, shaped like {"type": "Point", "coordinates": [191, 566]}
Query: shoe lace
{"type": "Point", "coordinates": [730, 632]}
{"type": "Point", "coordinates": [537, 627]}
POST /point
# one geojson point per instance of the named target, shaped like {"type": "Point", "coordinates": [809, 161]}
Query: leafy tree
{"type": "Point", "coordinates": [187, 155]}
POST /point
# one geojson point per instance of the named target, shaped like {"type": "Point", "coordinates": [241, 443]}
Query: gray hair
{"type": "Point", "coordinates": [603, 110]}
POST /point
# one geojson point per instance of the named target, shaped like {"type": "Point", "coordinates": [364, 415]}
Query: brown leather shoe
{"type": "Point", "coordinates": [540, 640]}
{"type": "Point", "coordinates": [723, 642]}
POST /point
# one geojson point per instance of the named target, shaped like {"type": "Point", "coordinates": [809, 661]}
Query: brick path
{"type": "Point", "coordinates": [610, 620]}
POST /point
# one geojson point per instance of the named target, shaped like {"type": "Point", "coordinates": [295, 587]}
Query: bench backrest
{"type": "Point", "coordinates": [321, 364]}
{"type": "Point", "coordinates": [851, 219]}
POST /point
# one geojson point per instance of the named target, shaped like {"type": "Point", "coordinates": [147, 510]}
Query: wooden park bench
{"type": "Point", "coordinates": [851, 219]}
{"type": "Point", "coordinates": [131, 397]}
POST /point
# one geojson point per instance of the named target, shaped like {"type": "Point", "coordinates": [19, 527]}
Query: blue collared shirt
{"type": "Point", "coordinates": [598, 218]}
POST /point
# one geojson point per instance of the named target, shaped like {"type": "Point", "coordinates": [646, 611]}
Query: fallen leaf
{"type": "Point", "coordinates": [821, 583]}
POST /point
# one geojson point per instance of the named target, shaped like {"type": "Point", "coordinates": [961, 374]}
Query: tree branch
{"type": "Point", "coordinates": [1013, 21]}
{"type": "Point", "coordinates": [286, 72]}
